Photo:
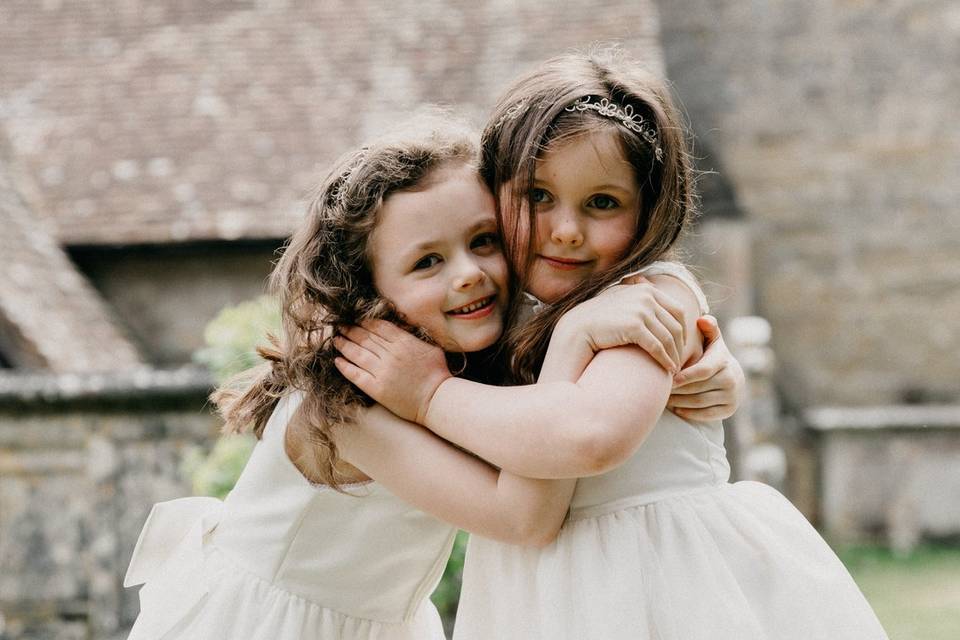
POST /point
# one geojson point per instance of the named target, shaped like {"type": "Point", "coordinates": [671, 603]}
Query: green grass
{"type": "Point", "coordinates": [916, 597]}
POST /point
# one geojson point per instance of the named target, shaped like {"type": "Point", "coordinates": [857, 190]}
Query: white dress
{"type": "Point", "coordinates": [664, 547]}
{"type": "Point", "coordinates": [281, 559]}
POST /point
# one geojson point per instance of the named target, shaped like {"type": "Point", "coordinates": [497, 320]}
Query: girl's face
{"type": "Point", "coordinates": [435, 253]}
{"type": "Point", "coordinates": [587, 202]}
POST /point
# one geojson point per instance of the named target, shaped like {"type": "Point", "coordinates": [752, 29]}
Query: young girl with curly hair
{"type": "Point", "coordinates": [588, 157]}
{"type": "Point", "coordinates": [342, 521]}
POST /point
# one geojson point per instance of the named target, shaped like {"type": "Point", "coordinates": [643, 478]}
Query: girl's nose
{"type": "Point", "coordinates": [565, 230]}
{"type": "Point", "coordinates": [469, 274]}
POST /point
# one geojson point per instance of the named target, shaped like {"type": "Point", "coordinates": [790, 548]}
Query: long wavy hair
{"type": "Point", "coordinates": [324, 282]}
{"type": "Point", "coordinates": [532, 118]}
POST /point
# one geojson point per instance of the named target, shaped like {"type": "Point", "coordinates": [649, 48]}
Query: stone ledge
{"type": "Point", "coordinates": [134, 384]}
{"type": "Point", "coordinates": [919, 416]}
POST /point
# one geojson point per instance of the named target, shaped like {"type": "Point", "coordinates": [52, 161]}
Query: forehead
{"type": "Point", "coordinates": [595, 150]}
{"type": "Point", "coordinates": [449, 203]}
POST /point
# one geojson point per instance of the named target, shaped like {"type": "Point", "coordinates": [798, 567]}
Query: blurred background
{"type": "Point", "coordinates": [154, 156]}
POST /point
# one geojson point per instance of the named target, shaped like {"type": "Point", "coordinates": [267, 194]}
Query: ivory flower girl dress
{"type": "Point", "coordinates": [282, 559]}
{"type": "Point", "coordinates": [664, 547]}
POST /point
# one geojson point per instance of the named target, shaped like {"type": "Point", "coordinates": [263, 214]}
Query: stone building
{"type": "Point", "coordinates": [153, 156]}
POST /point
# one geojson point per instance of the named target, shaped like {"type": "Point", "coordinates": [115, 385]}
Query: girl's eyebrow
{"type": "Point", "coordinates": [537, 182]}
{"type": "Point", "coordinates": [421, 247]}
{"type": "Point", "coordinates": [612, 186]}
{"type": "Point", "coordinates": [481, 224]}
{"type": "Point", "coordinates": [427, 245]}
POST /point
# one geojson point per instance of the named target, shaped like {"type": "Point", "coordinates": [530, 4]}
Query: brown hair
{"type": "Point", "coordinates": [532, 117]}
{"type": "Point", "coordinates": [324, 282]}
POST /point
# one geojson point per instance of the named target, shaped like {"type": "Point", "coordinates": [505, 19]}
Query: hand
{"type": "Point", "coordinates": [633, 313]}
{"type": "Point", "coordinates": [711, 388]}
{"type": "Point", "coordinates": [398, 370]}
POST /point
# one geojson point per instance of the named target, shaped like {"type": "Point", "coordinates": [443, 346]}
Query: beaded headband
{"type": "Point", "coordinates": [623, 115]}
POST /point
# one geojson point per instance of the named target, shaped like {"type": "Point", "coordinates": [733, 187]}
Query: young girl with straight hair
{"type": "Point", "coordinates": [588, 157]}
{"type": "Point", "coordinates": [307, 545]}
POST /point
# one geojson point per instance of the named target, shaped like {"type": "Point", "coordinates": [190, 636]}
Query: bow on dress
{"type": "Point", "coordinates": [168, 561]}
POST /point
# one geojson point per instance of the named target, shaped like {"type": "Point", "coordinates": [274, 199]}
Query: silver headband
{"type": "Point", "coordinates": [623, 115]}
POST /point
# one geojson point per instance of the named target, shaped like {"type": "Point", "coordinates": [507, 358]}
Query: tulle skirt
{"type": "Point", "coordinates": [727, 562]}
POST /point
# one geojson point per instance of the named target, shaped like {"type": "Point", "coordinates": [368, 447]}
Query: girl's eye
{"type": "Point", "coordinates": [539, 196]}
{"type": "Point", "coordinates": [603, 202]}
{"type": "Point", "coordinates": [485, 241]}
{"type": "Point", "coordinates": [427, 262]}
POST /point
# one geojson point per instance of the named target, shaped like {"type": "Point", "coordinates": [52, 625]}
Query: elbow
{"type": "Point", "coordinates": [537, 532]}
{"type": "Point", "coordinates": [600, 447]}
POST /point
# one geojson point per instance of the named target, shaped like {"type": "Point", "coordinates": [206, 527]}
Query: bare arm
{"type": "Point", "coordinates": [560, 429]}
{"type": "Point", "coordinates": [555, 429]}
{"type": "Point", "coordinates": [431, 474]}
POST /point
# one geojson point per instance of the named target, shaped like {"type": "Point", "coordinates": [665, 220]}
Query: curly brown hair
{"type": "Point", "coordinates": [324, 282]}
{"type": "Point", "coordinates": [531, 118]}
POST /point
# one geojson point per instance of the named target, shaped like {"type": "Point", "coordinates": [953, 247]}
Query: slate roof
{"type": "Point", "coordinates": [176, 121]}
{"type": "Point", "coordinates": [51, 317]}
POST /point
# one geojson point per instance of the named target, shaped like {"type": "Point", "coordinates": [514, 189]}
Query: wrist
{"type": "Point", "coordinates": [424, 410]}
{"type": "Point", "coordinates": [571, 334]}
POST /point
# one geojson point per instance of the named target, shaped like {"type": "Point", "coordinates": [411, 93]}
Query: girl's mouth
{"type": "Point", "coordinates": [564, 264]}
{"type": "Point", "coordinates": [476, 309]}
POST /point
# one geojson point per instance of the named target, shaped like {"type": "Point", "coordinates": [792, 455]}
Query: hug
{"type": "Point", "coordinates": [495, 333]}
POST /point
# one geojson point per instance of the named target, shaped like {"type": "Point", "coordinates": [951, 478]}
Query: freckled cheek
{"type": "Point", "coordinates": [422, 308]}
{"type": "Point", "coordinates": [495, 267]}
{"type": "Point", "coordinates": [614, 243]}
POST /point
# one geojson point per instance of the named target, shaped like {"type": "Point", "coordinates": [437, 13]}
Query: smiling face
{"type": "Point", "coordinates": [435, 254]}
{"type": "Point", "coordinates": [587, 202]}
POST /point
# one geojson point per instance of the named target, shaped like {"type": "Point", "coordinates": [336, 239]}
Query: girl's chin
{"type": "Point", "coordinates": [549, 287]}
{"type": "Point", "coordinates": [470, 344]}
{"type": "Point", "coordinates": [550, 293]}
{"type": "Point", "coordinates": [469, 347]}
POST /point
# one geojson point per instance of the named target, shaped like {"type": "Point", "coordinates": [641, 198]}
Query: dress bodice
{"type": "Point", "coordinates": [364, 553]}
{"type": "Point", "coordinates": [677, 456]}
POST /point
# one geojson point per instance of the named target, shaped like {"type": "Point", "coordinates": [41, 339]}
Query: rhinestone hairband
{"type": "Point", "coordinates": [511, 113]}
{"type": "Point", "coordinates": [623, 115]}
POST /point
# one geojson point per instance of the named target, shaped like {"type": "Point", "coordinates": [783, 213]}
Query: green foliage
{"type": "Point", "coordinates": [232, 336]}
{"type": "Point", "coordinates": [231, 339]}
{"type": "Point", "coordinates": [447, 595]}
{"type": "Point", "coordinates": [214, 474]}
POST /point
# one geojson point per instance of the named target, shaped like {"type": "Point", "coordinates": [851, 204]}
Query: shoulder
{"type": "Point", "coordinates": [314, 461]}
{"type": "Point", "coordinates": [679, 272]}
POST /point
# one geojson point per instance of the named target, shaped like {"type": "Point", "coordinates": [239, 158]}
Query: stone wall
{"type": "Point", "coordinates": [82, 460]}
{"type": "Point", "coordinates": [889, 470]}
{"type": "Point", "coordinates": [834, 125]}
{"type": "Point", "coordinates": [165, 296]}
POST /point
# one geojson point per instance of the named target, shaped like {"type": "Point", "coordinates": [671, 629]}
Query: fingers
{"type": "Point", "coordinates": [654, 345]}
{"type": "Point", "coordinates": [364, 337]}
{"type": "Point", "coordinates": [702, 400]}
{"type": "Point", "coordinates": [707, 414]}
{"type": "Point", "coordinates": [669, 303]}
{"type": "Point", "coordinates": [384, 329]}
{"type": "Point", "coordinates": [701, 386]}
{"type": "Point", "coordinates": [355, 353]}
{"type": "Point", "coordinates": [356, 375]}
{"type": "Point", "coordinates": [708, 366]}
{"type": "Point", "coordinates": [675, 330]}
{"type": "Point", "coordinates": [702, 371]}
{"type": "Point", "coordinates": [709, 328]}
